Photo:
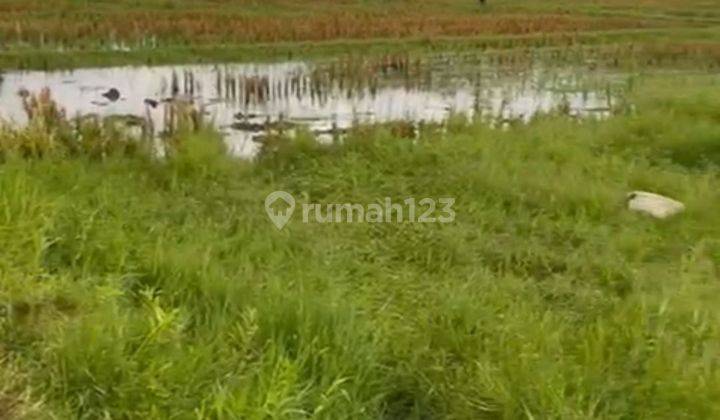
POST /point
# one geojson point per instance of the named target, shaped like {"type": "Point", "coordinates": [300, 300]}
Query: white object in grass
{"type": "Point", "coordinates": [654, 205]}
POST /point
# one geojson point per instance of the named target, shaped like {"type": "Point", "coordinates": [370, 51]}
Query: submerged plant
{"type": "Point", "coordinates": [50, 132]}
{"type": "Point", "coordinates": [42, 110]}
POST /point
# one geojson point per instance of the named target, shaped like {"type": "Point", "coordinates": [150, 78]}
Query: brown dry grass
{"type": "Point", "coordinates": [220, 28]}
{"type": "Point", "coordinates": [16, 401]}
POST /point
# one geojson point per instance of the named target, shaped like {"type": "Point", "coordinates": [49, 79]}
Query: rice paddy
{"type": "Point", "coordinates": [246, 102]}
{"type": "Point", "coordinates": [33, 35]}
{"type": "Point", "coordinates": [142, 275]}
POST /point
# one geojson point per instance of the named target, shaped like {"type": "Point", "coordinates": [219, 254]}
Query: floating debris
{"type": "Point", "coordinates": [112, 95]}
{"type": "Point", "coordinates": [265, 126]}
{"type": "Point", "coordinates": [247, 126]}
{"type": "Point", "coordinates": [334, 131]}
{"type": "Point", "coordinates": [151, 103]}
{"type": "Point", "coordinates": [243, 116]}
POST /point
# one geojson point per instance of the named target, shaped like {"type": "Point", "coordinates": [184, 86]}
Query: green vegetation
{"type": "Point", "coordinates": [694, 46]}
{"type": "Point", "coordinates": [138, 284]}
{"type": "Point", "coordinates": [136, 287]}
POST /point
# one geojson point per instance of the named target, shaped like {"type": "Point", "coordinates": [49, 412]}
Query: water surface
{"type": "Point", "coordinates": [326, 96]}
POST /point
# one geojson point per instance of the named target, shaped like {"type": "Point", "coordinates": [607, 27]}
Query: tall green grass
{"type": "Point", "coordinates": [147, 288]}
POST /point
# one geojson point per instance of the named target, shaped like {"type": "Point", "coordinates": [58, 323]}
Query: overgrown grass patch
{"type": "Point", "coordinates": [136, 287]}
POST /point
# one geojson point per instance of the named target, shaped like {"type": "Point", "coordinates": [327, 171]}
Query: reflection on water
{"type": "Point", "coordinates": [242, 100]}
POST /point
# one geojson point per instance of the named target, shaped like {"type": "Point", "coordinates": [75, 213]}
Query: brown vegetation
{"type": "Point", "coordinates": [214, 27]}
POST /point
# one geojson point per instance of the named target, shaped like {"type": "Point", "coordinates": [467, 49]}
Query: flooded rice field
{"type": "Point", "coordinates": [244, 101]}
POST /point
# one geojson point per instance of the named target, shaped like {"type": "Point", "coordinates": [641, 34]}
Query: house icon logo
{"type": "Point", "coordinates": [279, 206]}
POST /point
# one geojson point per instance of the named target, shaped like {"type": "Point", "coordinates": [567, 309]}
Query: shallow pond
{"type": "Point", "coordinates": [241, 100]}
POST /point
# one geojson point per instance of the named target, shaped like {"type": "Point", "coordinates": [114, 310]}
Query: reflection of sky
{"type": "Point", "coordinates": [80, 92]}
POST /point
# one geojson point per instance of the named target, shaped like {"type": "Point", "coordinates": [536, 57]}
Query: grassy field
{"type": "Point", "coordinates": [132, 287]}
{"type": "Point", "coordinates": [130, 31]}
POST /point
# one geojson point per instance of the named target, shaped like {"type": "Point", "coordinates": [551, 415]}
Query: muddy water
{"type": "Point", "coordinates": [326, 97]}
